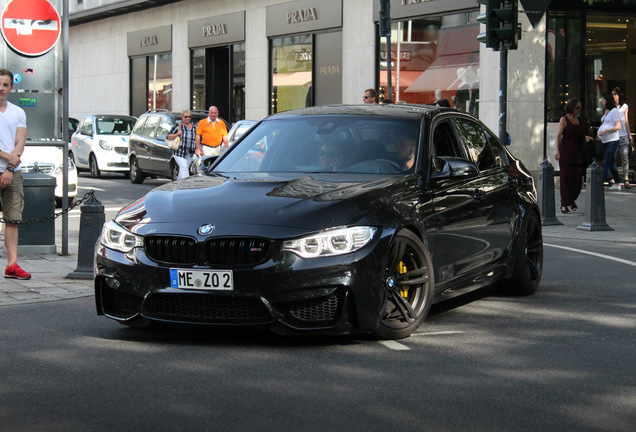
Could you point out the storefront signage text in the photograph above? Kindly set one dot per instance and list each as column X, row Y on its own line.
column 214, row 30
column 329, row 70
column 296, row 16
column 410, row 2
column 147, row 41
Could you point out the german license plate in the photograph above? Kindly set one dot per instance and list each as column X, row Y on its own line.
column 221, row 280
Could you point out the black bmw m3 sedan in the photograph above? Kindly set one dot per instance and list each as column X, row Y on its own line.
column 330, row 220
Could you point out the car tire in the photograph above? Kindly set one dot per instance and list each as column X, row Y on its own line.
column 408, row 287
column 94, row 168
column 135, row 174
column 528, row 266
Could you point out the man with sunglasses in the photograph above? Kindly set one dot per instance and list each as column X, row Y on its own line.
column 370, row 96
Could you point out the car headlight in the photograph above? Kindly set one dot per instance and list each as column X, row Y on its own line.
column 329, row 243
column 117, row 238
column 105, row 145
column 59, row 170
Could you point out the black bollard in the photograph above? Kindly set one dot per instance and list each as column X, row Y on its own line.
column 91, row 223
column 546, row 195
column 594, row 201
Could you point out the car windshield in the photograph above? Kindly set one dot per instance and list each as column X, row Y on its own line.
column 114, row 125
column 310, row 144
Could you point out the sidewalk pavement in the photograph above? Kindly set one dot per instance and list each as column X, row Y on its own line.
column 49, row 271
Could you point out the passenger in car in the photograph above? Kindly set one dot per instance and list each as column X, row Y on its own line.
column 331, row 155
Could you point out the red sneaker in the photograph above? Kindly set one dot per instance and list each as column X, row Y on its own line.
column 15, row 272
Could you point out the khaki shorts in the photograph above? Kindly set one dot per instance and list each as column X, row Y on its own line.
column 212, row 151
column 12, row 198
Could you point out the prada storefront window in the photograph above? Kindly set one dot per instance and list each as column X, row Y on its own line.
column 198, row 79
column 588, row 54
column 434, row 58
column 160, row 81
column 291, row 72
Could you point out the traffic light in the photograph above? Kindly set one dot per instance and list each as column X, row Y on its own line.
column 490, row 20
column 507, row 16
column 501, row 19
column 385, row 18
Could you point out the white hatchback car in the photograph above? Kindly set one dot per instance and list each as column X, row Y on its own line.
column 49, row 161
column 100, row 143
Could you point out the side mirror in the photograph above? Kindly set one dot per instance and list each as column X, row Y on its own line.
column 453, row 167
column 202, row 164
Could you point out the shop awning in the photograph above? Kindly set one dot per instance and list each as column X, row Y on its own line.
column 447, row 73
column 406, row 77
column 291, row 79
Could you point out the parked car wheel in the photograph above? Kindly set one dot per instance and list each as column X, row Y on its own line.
column 408, row 287
column 136, row 176
column 528, row 261
column 95, row 172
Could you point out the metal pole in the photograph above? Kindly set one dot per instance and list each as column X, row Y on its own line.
column 389, row 89
column 65, row 136
column 503, row 90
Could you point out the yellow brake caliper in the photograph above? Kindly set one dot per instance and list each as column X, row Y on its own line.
column 404, row 290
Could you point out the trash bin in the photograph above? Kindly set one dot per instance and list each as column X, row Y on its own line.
column 39, row 203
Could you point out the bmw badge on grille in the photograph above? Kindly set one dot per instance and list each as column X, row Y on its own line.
column 205, row 229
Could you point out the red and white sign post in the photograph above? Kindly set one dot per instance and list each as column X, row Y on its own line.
column 30, row 27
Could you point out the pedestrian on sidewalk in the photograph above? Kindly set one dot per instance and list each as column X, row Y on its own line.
column 211, row 134
column 568, row 151
column 608, row 133
column 13, row 133
column 625, row 133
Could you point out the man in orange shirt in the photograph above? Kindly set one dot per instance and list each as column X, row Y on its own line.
column 211, row 137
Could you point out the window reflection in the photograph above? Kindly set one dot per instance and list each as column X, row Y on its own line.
column 438, row 59
column 291, row 73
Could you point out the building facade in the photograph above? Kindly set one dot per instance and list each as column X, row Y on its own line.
column 252, row 58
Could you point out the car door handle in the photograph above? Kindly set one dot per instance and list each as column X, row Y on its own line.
column 478, row 194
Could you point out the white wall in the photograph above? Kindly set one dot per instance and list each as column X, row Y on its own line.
column 526, row 93
column 358, row 50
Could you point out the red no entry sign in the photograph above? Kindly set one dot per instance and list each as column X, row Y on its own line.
column 31, row 27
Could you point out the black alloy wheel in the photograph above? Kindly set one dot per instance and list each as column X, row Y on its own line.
column 528, row 266
column 92, row 163
column 408, row 287
column 136, row 176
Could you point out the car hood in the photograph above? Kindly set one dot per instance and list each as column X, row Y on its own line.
column 42, row 154
column 248, row 203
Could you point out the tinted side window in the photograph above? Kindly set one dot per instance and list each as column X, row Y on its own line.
column 164, row 128
column 139, row 126
column 444, row 143
column 478, row 148
column 150, row 126
column 499, row 154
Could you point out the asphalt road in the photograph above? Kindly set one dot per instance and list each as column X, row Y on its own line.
column 561, row 360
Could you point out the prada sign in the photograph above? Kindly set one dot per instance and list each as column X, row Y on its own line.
column 303, row 16
column 217, row 30
column 150, row 41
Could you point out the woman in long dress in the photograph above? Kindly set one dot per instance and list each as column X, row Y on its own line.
column 568, row 151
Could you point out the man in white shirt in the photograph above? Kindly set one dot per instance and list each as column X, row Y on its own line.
column 13, row 133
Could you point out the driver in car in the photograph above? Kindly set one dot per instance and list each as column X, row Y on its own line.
column 331, row 155
column 405, row 149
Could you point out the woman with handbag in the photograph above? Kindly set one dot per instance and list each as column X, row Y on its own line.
column 625, row 133
column 568, row 151
column 187, row 132
column 608, row 133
